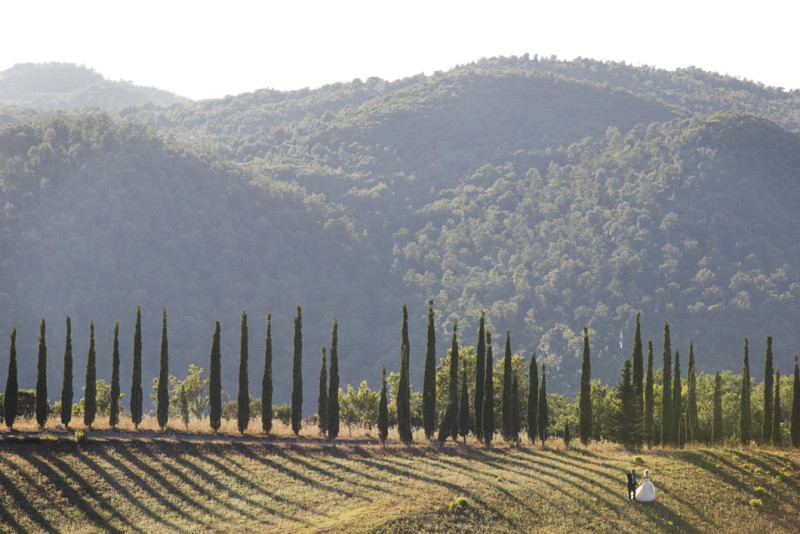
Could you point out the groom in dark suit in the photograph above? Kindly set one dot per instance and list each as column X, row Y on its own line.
column 631, row 485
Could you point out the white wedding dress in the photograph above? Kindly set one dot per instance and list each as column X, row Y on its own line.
column 646, row 492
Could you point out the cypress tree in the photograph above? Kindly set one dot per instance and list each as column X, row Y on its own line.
column 383, row 411
column 244, row 381
column 162, row 409
column 463, row 408
column 333, row 392
column 480, row 371
column 66, row 385
column 266, row 381
column 507, row 393
column 113, row 417
column 449, row 426
column 515, row 411
column 404, row 387
column 297, row 374
column 136, row 378
column 533, row 398
column 488, row 394
column 637, row 358
column 667, row 423
column 766, row 429
column 677, row 408
column 649, row 399
column 776, row 412
column 90, row 392
column 42, row 406
column 692, row 421
column 11, row 399
column 744, row 410
column 796, row 406
column 184, row 408
column 716, row 423
column 586, row 391
column 322, row 396
column 567, row 437
column 627, row 406
column 429, row 382
column 215, row 381
column 543, row 415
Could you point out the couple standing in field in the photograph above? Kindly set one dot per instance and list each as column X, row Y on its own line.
column 644, row 492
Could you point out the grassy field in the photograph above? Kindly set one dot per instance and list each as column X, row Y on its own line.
column 153, row 481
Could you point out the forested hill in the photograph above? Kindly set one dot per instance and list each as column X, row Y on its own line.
column 551, row 194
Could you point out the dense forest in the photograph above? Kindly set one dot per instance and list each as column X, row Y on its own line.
column 551, row 194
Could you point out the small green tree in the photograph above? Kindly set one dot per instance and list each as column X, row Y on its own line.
column 544, row 417
column 795, row 430
column 162, row 405
column 66, row 385
column 113, row 417
column 514, row 426
column 776, row 412
column 745, row 415
column 625, row 425
column 297, row 374
column 463, row 408
column 404, row 400
column 766, row 429
column 90, row 409
column 488, row 394
column 533, row 398
column 567, row 437
column 42, row 404
column 11, row 397
column 184, row 407
column 333, row 391
column 429, row 381
column 480, row 371
column 586, row 391
column 266, row 381
column 322, row 395
column 383, row 411
column 243, row 412
column 716, row 425
column 136, row 378
column 649, row 397
column 215, row 381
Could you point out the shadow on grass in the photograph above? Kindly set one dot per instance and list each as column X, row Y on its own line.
column 20, row 501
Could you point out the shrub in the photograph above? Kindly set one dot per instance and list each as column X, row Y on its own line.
column 459, row 504
column 638, row 460
column 755, row 503
column 283, row 413
column 80, row 437
column 759, row 490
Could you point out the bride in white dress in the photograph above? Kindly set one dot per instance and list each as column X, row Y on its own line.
column 646, row 492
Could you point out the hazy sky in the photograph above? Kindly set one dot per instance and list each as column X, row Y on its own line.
column 205, row 49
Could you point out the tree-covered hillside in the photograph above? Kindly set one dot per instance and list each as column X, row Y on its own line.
column 554, row 195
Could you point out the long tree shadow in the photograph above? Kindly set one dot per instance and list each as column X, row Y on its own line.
column 296, row 460
column 360, row 474
column 20, row 501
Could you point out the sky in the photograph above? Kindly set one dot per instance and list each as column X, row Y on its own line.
column 210, row 49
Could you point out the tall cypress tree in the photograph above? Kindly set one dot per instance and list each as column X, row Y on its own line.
column 90, row 391
column 215, row 381
column 677, row 408
column 244, row 381
column 508, row 378
column 692, row 421
column 667, row 423
column 544, row 420
column 533, row 398
column 449, row 426
column 184, row 402
column 404, row 387
column 333, row 392
column 266, row 381
column 162, row 409
column 66, row 385
column 776, row 412
column 113, row 417
column 766, row 429
column 480, row 371
column 136, row 378
column 627, row 406
column 796, row 405
column 515, row 411
column 383, row 411
column 586, row 391
column 322, row 395
column 744, row 410
column 11, row 399
column 637, row 360
column 716, row 422
column 297, row 374
column 42, row 406
column 649, row 398
column 429, row 381
column 463, row 408
column 488, row 394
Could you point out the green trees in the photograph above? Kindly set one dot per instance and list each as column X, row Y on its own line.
column 449, row 423
column 514, row 427
column 508, row 378
column 383, row 411
column 42, row 405
column 113, row 416
column 266, row 381
column 162, row 403
column 429, row 380
column 744, row 406
column 488, row 394
column 297, row 374
column 586, row 390
column 136, row 378
column 322, row 395
column 66, row 384
column 766, row 428
column 795, row 429
column 90, row 391
column 637, row 359
column 10, row 400
column 463, row 408
column 649, row 398
column 404, row 390
column 692, row 422
column 776, row 412
column 215, row 381
column 333, row 392
column 533, row 398
column 677, row 409
column 184, row 402
column 480, row 371
column 627, row 421
column 243, row 412
column 543, row 412
column 667, row 423
column 716, row 423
